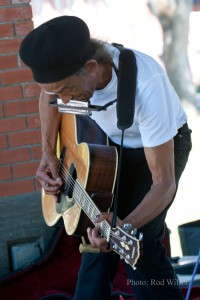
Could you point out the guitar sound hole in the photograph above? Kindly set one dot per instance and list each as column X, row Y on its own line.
column 68, row 186
column 65, row 199
column 71, row 181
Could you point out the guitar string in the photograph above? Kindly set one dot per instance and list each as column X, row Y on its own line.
column 71, row 184
column 102, row 226
column 67, row 175
column 111, row 233
column 69, row 178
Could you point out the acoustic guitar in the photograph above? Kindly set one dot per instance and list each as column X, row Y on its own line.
column 88, row 167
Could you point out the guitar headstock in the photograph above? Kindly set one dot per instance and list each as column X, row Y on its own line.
column 126, row 245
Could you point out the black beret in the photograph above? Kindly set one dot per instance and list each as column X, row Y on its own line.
column 56, row 49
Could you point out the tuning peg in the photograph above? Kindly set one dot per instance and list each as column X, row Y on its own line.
column 114, row 247
column 117, row 233
column 133, row 232
column 127, row 227
column 140, row 236
column 121, row 251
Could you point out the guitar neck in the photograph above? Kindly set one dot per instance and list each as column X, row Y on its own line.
column 90, row 209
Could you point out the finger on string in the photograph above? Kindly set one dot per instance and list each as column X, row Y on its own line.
column 51, row 190
column 50, row 181
column 95, row 232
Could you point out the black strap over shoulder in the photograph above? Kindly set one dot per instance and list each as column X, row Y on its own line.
column 126, row 90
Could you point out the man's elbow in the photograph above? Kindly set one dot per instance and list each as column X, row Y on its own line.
column 171, row 187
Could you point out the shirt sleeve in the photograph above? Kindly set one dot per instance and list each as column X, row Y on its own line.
column 156, row 113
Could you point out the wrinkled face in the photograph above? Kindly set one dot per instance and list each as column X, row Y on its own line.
column 76, row 87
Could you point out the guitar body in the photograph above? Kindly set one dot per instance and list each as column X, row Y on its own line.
column 89, row 161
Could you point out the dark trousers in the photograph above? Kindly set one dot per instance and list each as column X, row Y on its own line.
column 154, row 277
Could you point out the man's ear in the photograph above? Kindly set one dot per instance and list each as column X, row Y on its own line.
column 91, row 65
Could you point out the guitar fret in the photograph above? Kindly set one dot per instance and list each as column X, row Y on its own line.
column 83, row 202
column 90, row 208
column 92, row 212
column 76, row 192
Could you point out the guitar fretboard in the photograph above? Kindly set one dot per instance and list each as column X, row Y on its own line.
column 90, row 209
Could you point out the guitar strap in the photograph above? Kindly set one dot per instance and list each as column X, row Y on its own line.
column 126, row 90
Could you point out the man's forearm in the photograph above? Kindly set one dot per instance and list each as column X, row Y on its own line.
column 155, row 201
column 50, row 122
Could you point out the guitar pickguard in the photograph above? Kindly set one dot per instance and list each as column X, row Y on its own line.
column 64, row 204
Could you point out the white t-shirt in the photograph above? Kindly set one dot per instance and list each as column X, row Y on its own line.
column 158, row 111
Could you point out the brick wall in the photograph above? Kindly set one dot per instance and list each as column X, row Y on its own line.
column 20, row 149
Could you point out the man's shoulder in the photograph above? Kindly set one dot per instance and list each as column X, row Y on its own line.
column 148, row 67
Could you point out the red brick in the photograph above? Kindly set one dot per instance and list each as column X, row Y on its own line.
column 25, row 170
column 17, row 187
column 3, row 141
column 1, row 111
column 12, row 124
column 24, row 138
column 8, row 61
column 9, row 156
column 36, row 152
column 6, row 30
column 5, row 172
column 16, row 76
column 33, row 121
column 21, row 107
column 4, row 2
column 31, row 90
column 10, row 93
column 10, row 45
column 15, row 13
column 23, row 28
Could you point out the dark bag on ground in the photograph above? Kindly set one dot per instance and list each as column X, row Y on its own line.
column 190, row 237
